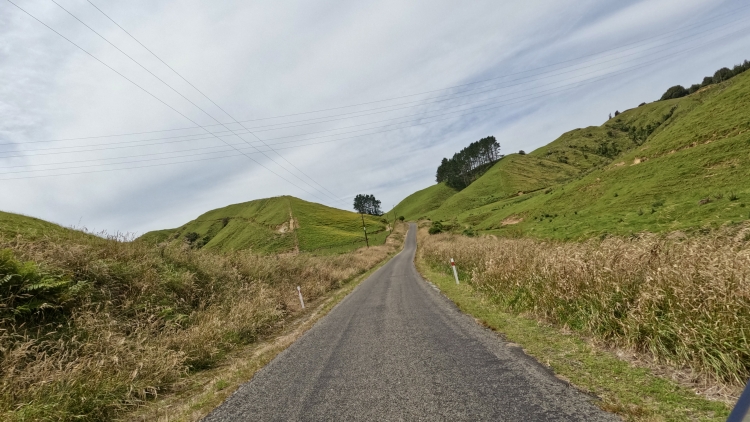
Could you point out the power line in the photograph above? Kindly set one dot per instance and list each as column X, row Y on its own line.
column 577, row 84
column 172, row 88
column 206, row 96
column 334, row 140
column 145, row 90
column 610, row 51
column 475, row 109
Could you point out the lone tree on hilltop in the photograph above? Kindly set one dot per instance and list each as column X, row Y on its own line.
column 367, row 204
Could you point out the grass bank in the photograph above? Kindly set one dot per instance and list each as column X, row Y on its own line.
column 676, row 303
column 93, row 328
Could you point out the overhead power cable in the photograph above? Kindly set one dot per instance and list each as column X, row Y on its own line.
column 209, row 99
column 334, row 140
column 176, row 91
column 420, row 120
column 609, row 51
column 148, row 92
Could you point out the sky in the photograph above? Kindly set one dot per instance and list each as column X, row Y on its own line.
column 142, row 115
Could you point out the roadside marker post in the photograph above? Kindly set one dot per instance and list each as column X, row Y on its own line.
column 455, row 272
column 301, row 302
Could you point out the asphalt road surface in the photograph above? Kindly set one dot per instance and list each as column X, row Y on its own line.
column 396, row 349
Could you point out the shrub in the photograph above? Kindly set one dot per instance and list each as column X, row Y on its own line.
column 522, row 152
column 641, row 104
column 693, row 88
column 676, row 91
column 722, row 74
column 707, row 81
column 401, row 218
column 191, row 236
column 436, row 227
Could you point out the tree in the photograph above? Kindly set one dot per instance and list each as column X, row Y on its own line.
column 367, row 204
column 707, row 81
column 722, row 74
column 693, row 88
column 676, row 91
column 617, row 113
column 469, row 163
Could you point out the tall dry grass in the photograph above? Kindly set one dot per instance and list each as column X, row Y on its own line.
column 685, row 301
column 131, row 320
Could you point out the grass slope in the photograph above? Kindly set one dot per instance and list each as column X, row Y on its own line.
column 420, row 203
column 648, row 169
column 30, row 228
column 277, row 224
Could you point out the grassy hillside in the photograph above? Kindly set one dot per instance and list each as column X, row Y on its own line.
column 277, row 224
column 420, row 203
column 92, row 327
column 669, row 165
column 32, row 228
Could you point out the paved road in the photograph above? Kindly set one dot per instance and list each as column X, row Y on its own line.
column 396, row 349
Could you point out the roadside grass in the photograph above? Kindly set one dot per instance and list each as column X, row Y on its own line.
column 275, row 225
column 634, row 393
column 92, row 328
column 680, row 303
column 202, row 392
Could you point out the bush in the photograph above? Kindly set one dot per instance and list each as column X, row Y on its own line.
column 707, row 81
column 641, row 104
column 676, row 91
column 694, row 88
column 401, row 218
column 192, row 237
column 436, row 227
column 722, row 75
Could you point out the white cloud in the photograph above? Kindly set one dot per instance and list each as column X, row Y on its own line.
column 265, row 59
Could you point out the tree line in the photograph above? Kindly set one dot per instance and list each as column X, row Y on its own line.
column 469, row 163
column 720, row 75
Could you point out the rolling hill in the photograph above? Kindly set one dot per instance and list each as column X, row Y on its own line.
column 676, row 164
column 279, row 224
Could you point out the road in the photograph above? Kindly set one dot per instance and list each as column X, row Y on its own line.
column 396, row 349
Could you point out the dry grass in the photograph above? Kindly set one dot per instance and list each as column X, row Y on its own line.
column 101, row 325
column 685, row 302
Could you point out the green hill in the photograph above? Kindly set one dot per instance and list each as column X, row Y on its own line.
column 277, row 224
column 30, row 228
column 669, row 165
column 420, row 203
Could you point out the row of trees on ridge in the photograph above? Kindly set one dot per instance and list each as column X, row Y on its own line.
column 720, row 75
column 469, row 163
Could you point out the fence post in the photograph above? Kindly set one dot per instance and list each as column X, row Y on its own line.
column 301, row 302
column 455, row 272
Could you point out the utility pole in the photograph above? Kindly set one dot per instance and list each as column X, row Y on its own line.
column 365, row 229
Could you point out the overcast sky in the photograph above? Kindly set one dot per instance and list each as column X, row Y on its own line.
column 334, row 98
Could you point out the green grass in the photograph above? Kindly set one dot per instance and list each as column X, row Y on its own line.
column 420, row 203
column 279, row 224
column 31, row 228
column 634, row 393
column 645, row 170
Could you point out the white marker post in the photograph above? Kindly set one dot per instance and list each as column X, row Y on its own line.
column 301, row 302
column 455, row 272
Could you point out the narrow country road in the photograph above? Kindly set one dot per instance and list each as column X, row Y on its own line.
column 396, row 349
